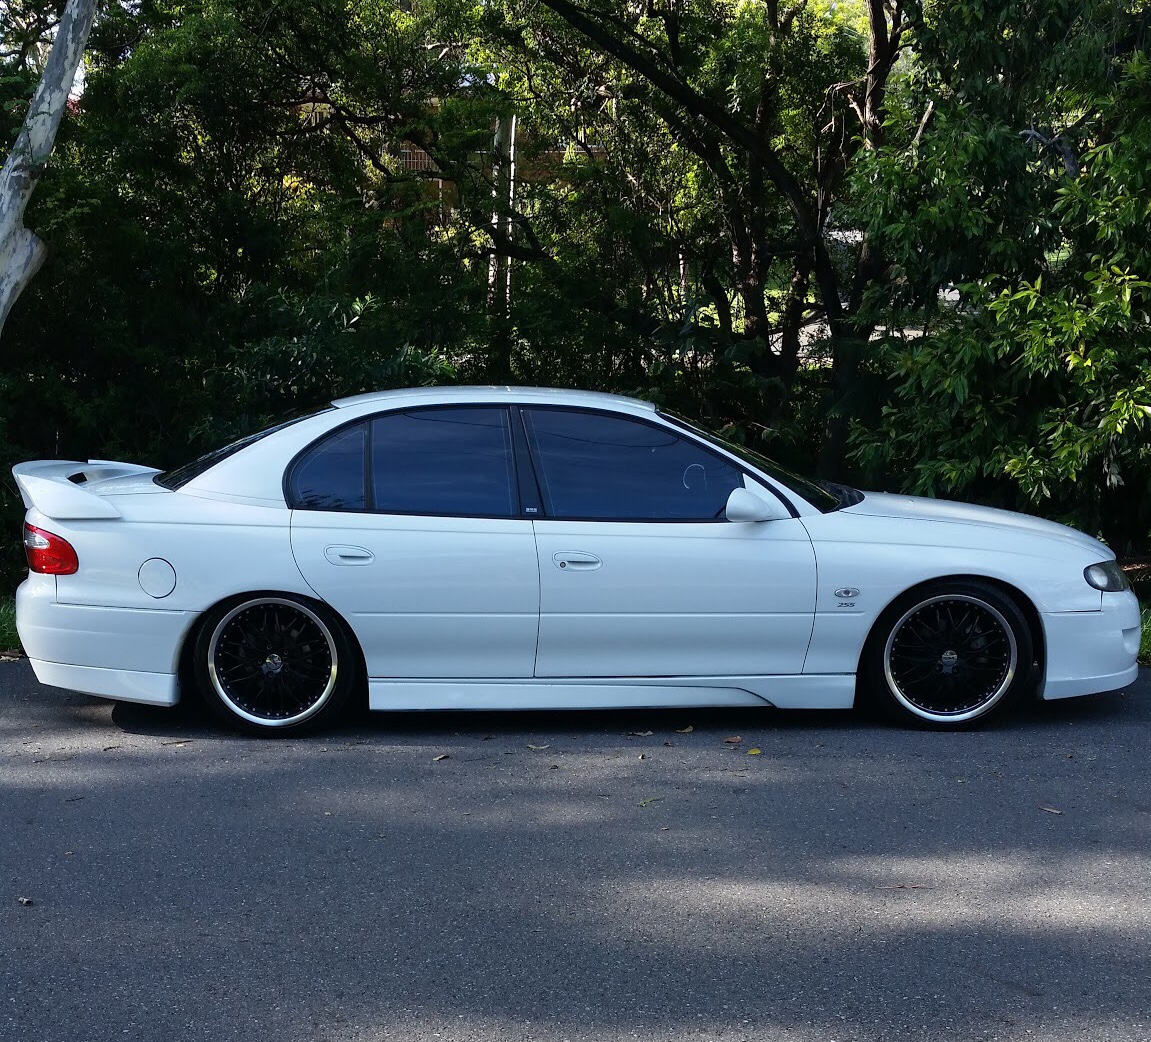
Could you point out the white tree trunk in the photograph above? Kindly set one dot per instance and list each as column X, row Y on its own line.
column 504, row 198
column 21, row 253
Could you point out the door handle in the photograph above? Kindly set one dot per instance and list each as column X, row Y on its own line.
column 348, row 555
column 577, row 560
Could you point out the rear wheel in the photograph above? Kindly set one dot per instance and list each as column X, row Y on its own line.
column 949, row 655
column 274, row 664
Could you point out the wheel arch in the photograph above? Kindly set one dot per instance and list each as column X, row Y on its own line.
column 184, row 673
column 1024, row 603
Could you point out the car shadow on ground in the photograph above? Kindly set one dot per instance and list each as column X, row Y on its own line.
column 192, row 717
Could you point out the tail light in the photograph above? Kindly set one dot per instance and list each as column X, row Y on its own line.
column 48, row 554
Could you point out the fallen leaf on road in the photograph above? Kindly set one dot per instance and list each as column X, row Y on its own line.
column 24, row 900
column 642, row 756
column 685, row 730
column 640, row 734
column 109, row 748
column 650, row 800
column 1050, row 810
column 733, row 740
column 669, row 743
column 183, row 741
column 754, row 752
column 442, row 756
column 538, row 747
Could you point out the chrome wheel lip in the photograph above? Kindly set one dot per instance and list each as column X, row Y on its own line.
column 220, row 687
column 986, row 704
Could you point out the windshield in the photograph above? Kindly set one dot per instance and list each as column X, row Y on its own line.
column 825, row 497
column 177, row 477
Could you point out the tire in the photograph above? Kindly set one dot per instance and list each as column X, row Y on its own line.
column 948, row 656
column 274, row 664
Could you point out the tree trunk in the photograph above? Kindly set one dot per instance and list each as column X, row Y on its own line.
column 21, row 253
column 500, row 264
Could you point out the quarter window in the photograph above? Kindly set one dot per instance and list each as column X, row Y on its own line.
column 330, row 475
column 615, row 468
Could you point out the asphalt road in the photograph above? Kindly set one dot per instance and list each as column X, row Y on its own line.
column 558, row 877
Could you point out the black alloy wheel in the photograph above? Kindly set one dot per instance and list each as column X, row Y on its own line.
column 274, row 664
column 950, row 655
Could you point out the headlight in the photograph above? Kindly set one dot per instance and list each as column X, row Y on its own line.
column 1106, row 576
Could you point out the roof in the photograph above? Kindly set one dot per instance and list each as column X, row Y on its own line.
column 536, row 395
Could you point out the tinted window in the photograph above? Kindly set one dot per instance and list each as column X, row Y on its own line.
column 444, row 461
column 330, row 475
column 598, row 466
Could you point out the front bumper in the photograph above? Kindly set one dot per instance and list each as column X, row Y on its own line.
column 1092, row 651
column 129, row 654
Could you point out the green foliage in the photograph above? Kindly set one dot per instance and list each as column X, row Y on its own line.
column 1030, row 193
column 321, row 350
column 9, row 638
column 259, row 207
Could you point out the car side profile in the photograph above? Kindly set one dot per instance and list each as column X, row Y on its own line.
column 508, row 548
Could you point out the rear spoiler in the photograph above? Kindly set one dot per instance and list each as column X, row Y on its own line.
column 56, row 487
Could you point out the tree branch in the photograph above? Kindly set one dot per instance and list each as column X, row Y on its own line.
column 697, row 103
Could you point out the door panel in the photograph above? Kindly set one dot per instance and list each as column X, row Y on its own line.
column 637, row 577
column 706, row 599
column 438, row 596
column 411, row 533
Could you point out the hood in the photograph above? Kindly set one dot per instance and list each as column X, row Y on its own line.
column 883, row 504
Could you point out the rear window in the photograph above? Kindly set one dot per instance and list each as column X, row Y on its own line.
column 177, row 477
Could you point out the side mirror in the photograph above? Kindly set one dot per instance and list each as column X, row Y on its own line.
column 744, row 505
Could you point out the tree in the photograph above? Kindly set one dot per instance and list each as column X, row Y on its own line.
column 772, row 103
column 21, row 252
column 26, row 32
column 1025, row 191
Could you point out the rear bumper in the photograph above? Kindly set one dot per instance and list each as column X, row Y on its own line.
column 154, row 689
column 123, row 653
column 1092, row 651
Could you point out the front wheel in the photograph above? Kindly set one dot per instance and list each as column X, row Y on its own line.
column 949, row 655
column 274, row 664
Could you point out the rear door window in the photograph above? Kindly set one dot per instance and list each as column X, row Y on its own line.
column 444, row 461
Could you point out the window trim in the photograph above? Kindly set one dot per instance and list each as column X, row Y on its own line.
column 679, row 432
column 517, row 488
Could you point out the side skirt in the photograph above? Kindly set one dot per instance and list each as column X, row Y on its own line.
column 828, row 691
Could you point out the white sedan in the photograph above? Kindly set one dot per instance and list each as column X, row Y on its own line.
column 510, row 548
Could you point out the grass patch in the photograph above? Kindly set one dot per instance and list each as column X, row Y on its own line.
column 9, row 638
column 1145, row 637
